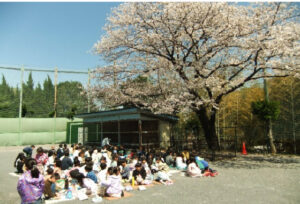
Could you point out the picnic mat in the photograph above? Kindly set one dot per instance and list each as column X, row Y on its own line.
column 126, row 195
column 136, row 187
column 63, row 199
column 14, row 174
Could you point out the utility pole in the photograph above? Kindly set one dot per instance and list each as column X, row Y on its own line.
column 20, row 106
column 88, row 94
column 269, row 121
column 55, row 104
column 237, row 119
column 218, row 129
column 55, row 92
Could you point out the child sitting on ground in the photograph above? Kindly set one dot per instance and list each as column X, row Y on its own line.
column 41, row 159
column 51, row 158
column 162, row 170
column 115, row 161
column 31, row 183
column 83, row 181
column 57, row 167
column 134, row 161
column 139, row 174
column 125, row 172
column 180, row 162
column 76, row 166
column 66, row 162
column 49, row 173
column 102, row 173
column 193, row 170
column 114, row 184
column 49, row 190
column 90, row 173
column 170, row 159
column 149, row 175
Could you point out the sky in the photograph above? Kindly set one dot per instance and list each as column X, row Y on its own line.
column 49, row 35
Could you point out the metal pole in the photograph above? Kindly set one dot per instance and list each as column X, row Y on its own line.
column 140, row 133
column 119, row 135
column 88, row 94
column 55, row 91
column 293, row 117
column 20, row 106
column 218, row 129
column 224, row 123
column 55, row 104
column 237, row 108
column 235, row 141
column 237, row 118
column 269, row 122
column 97, row 132
column 101, row 133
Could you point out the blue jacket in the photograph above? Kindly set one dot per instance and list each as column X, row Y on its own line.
column 28, row 150
column 92, row 176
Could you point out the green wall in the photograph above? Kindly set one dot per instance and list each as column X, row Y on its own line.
column 32, row 131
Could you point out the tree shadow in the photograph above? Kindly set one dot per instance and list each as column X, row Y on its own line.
column 258, row 161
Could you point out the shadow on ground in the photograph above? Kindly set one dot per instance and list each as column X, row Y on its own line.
column 259, row 161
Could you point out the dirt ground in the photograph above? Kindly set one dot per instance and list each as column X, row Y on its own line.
column 244, row 179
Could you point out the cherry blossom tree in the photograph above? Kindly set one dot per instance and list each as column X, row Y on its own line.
column 191, row 55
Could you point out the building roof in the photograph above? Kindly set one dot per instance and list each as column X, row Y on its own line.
column 125, row 114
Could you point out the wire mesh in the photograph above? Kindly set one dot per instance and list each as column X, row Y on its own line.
column 44, row 93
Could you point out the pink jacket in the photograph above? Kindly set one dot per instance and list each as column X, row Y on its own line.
column 41, row 159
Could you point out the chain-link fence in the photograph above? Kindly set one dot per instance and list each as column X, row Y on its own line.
column 51, row 93
column 43, row 93
column 52, row 96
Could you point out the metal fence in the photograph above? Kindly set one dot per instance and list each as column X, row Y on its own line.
column 29, row 92
column 231, row 139
column 43, row 98
column 49, row 93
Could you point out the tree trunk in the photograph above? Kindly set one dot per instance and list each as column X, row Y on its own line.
column 208, row 122
column 270, row 136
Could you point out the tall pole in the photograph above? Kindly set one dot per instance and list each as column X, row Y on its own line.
column 269, row 121
column 293, row 116
column 140, row 134
column 119, row 134
column 55, row 92
column 224, row 123
column 55, row 103
column 20, row 106
column 237, row 115
column 218, row 129
column 88, row 94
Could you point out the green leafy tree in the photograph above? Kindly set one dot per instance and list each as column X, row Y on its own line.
column 8, row 100
column 70, row 95
column 48, row 96
column 28, row 96
column 72, row 112
column 267, row 111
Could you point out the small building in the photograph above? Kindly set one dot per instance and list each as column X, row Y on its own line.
column 132, row 127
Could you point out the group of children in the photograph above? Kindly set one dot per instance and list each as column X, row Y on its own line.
column 103, row 171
